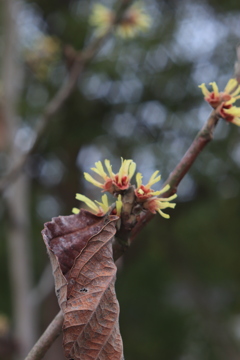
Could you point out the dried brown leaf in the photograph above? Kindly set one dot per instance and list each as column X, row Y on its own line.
column 80, row 250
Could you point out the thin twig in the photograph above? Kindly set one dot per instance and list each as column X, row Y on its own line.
column 204, row 136
column 201, row 140
column 47, row 338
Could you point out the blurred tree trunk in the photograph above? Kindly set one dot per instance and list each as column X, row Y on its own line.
column 17, row 196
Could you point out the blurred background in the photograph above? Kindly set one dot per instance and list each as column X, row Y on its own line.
column 179, row 284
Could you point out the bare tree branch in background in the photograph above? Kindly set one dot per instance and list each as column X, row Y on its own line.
column 81, row 59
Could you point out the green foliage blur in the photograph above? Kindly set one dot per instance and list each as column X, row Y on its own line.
column 179, row 284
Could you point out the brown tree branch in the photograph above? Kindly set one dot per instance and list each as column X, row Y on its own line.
column 201, row 140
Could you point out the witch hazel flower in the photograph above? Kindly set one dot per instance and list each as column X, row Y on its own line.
column 144, row 192
column 149, row 198
column 231, row 114
column 156, row 204
column 223, row 101
column 113, row 183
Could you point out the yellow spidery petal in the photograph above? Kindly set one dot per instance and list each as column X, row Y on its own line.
column 164, row 205
column 124, row 169
column 236, row 121
column 104, row 204
column 120, row 172
column 204, row 89
column 75, row 211
column 105, row 201
column 88, row 202
column 139, row 179
column 215, row 87
column 99, row 170
column 232, row 83
column 168, row 205
column 166, row 216
column 119, row 205
column 140, row 191
column 166, row 188
column 153, row 179
column 132, row 169
column 109, row 168
column 170, row 198
column 90, row 179
column 234, row 111
column 231, row 101
column 236, row 92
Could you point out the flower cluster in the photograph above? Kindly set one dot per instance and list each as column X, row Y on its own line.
column 133, row 21
column 116, row 184
column 223, row 101
column 150, row 198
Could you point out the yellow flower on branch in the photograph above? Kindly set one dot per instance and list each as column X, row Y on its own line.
column 113, row 182
column 223, row 101
column 149, row 198
column 215, row 98
column 231, row 114
column 145, row 197
column 143, row 192
column 155, row 204
column 133, row 21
